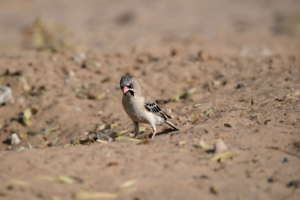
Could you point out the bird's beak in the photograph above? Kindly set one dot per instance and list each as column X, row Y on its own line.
column 125, row 89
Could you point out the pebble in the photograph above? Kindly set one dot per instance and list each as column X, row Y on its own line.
column 175, row 133
column 240, row 85
column 71, row 73
column 15, row 139
column 22, row 100
column 6, row 95
column 220, row 147
column 79, row 57
column 79, row 109
column 253, row 51
column 285, row 160
column 205, row 55
column 294, row 183
column 22, row 148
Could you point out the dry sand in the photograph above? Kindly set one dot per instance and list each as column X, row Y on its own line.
column 241, row 58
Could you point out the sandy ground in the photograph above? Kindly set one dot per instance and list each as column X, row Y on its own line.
column 242, row 58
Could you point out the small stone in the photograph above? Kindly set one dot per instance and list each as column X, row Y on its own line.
column 15, row 139
column 142, row 58
column 285, row 160
column 79, row 57
column 71, row 73
column 21, row 100
column 173, row 134
column 100, row 135
column 22, row 148
column 9, row 147
column 220, row 147
column 271, row 180
column 201, row 177
column 253, row 51
column 6, row 95
column 79, row 109
column 227, row 125
column 177, row 52
column 205, row 56
column 144, row 73
column 240, row 85
column 100, row 112
column 294, row 183
column 214, row 190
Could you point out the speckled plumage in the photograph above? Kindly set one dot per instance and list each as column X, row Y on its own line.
column 140, row 107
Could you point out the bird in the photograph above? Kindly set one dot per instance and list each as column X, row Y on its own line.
column 140, row 107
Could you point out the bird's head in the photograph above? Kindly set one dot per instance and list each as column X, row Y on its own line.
column 129, row 83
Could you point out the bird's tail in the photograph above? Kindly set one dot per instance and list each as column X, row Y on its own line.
column 173, row 126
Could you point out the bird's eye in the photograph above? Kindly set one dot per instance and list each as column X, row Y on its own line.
column 130, row 86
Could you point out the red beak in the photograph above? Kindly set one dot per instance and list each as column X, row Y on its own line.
column 125, row 89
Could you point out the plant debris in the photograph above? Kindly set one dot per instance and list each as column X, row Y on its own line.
column 51, row 37
column 128, row 183
column 227, row 125
column 223, row 156
column 100, row 127
column 118, row 133
column 19, row 182
column 48, row 178
column 293, row 94
column 76, row 142
column 43, row 132
column 59, row 179
column 252, row 102
column 176, row 151
column 214, row 190
column 127, row 139
column 294, row 183
column 205, row 146
column 142, row 129
column 27, row 115
column 100, row 135
column 53, row 142
column 95, row 195
column 64, row 179
column 181, row 143
column 266, row 122
column 209, row 110
column 113, row 125
column 183, row 94
column 200, row 115
column 96, row 97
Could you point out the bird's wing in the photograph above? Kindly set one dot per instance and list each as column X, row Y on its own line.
column 152, row 106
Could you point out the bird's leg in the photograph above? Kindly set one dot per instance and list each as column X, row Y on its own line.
column 154, row 131
column 136, row 129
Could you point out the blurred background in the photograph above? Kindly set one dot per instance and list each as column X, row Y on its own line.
column 104, row 25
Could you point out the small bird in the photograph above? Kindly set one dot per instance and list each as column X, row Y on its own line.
column 140, row 107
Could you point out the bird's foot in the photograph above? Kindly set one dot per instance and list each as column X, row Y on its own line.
column 153, row 135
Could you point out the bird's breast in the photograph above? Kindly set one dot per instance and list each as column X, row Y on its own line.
column 134, row 107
